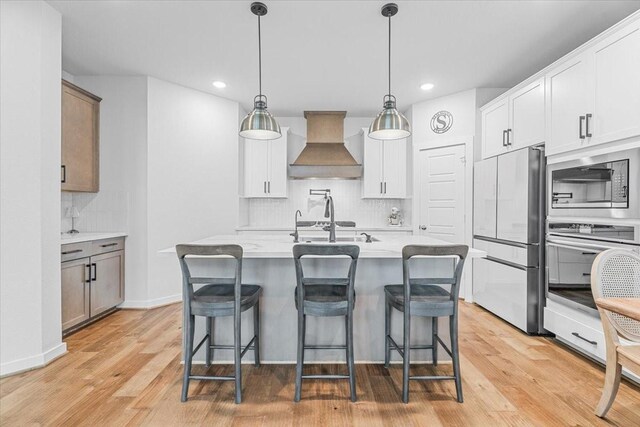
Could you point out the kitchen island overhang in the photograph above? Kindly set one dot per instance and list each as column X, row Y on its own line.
column 268, row 262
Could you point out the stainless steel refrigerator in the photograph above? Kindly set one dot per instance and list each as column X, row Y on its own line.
column 508, row 223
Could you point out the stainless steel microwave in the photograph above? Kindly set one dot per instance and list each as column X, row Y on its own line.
column 599, row 186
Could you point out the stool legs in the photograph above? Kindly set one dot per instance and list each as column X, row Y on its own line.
column 350, row 362
column 256, row 332
column 188, row 355
column 237, row 356
column 302, row 320
column 208, row 351
column 406, row 357
column 434, row 340
column 453, row 328
column 387, row 333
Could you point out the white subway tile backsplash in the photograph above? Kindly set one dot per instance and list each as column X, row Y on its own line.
column 104, row 211
column 347, row 196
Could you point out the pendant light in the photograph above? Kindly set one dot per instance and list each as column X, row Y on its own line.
column 390, row 123
column 259, row 124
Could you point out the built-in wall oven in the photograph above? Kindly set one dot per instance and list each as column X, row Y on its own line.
column 571, row 248
column 604, row 186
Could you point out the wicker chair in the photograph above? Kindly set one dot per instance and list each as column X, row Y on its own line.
column 615, row 283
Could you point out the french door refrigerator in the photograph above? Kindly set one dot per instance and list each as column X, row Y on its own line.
column 508, row 223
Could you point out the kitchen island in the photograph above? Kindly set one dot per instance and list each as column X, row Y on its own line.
column 268, row 262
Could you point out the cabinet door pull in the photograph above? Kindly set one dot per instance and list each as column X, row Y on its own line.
column 509, row 137
column 264, row 187
column 87, row 274
column 385, row 187
column 107, row 245
column 75, row 251
column 95, row 272
column 581, row 121
column 587, row 133
column 269, row 187
column 64, row 174
column 504, row 142
column 381, row 187
column 577, row 335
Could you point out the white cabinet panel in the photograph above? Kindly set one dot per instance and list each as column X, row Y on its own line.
column 512, row 207
column 502, row 290
column 569, row 100
column 277, row 184
column 527, row 116
column 485, row 178
column 265, row 167
column 495, row 122
column 616, row 68
column 385, row 168
column 372, row 173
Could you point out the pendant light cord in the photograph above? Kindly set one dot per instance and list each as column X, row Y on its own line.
column 389, row 54
column 259, row 59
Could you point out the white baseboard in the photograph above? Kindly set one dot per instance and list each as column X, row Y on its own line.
column 153, row 303
column 32, row 362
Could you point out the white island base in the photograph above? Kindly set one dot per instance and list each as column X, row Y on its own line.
column 268, row 262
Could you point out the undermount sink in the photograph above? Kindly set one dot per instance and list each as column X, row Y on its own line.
column 339, row 239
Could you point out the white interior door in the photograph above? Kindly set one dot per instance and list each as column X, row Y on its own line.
column 442, row 190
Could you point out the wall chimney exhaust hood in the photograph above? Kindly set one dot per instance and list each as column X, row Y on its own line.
column 324, row 154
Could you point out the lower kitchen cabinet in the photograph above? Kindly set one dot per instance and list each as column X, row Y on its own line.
column 92, row 281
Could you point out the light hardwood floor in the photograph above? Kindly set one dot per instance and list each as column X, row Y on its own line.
column 125, row 370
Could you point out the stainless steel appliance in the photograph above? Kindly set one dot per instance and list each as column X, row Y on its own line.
column 604, row 186
column 509, row 212
column 571, row 248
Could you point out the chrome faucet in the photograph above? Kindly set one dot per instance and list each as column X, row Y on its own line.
column 295, row 233
column 329, row 212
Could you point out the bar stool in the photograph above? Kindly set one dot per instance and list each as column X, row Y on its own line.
column 325, row 297
column 217, row 298
column 426, row 299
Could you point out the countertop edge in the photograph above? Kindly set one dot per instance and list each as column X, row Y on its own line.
column 89, row 237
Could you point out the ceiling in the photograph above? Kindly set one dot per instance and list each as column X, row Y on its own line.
column 329, row 55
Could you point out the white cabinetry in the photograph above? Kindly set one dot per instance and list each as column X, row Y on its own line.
column 265, row 167
column 593, row 97
column 515, row 121
column 385, row 168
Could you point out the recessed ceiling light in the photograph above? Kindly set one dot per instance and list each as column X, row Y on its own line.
column 219, row 84
column 426, row 86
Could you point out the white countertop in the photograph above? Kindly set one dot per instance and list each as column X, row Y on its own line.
column 66, row 238
column 311, row 229
column 257, row 246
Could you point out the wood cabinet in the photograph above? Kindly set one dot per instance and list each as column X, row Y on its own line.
column 80, row 139
column 91, row 285
column 265, row 167
column 593, row 97
column 514, row 121
column 385, row 168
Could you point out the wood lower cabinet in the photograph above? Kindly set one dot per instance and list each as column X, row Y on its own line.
column 91, row 285
column 80, row 139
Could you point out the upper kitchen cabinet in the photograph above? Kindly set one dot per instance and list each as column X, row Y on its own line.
column 593, row 98
column 265, row 167
column 514, row 121
column 385, row 168
column 80, row 139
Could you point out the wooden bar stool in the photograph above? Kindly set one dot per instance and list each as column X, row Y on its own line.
column 427, row 299
column 324, row 297
column 217, row 297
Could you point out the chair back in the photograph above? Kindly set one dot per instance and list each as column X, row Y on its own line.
column 616, row 274
column 326, row 251
column 212, row 252
column 458, row 253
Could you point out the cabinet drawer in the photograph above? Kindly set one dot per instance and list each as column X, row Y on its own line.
column 579, row 335
column 107, row 245
column 73, row 251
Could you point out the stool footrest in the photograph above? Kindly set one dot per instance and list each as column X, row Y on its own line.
column 211, row 378
column 325, row 347
column 325, row 377
column 432, row 377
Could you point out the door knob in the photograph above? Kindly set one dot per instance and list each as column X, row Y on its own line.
column 423, row 227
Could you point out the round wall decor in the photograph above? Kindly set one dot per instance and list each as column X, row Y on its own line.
column 441, row 121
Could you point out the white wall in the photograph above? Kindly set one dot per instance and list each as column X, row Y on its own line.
column 30, row 70
column 192, row 175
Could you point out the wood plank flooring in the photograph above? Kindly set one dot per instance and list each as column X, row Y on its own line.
column 125, row 370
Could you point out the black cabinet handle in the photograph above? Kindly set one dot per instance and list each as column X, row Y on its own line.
column 504, row 142
column 581, row 121
column 88, row 274
column 95, row 272
column 75, row 251
column 106, row 245
column 589, row 253
column 269, row 187
column 587, row 120
column 385, row 187
column 381, row 187
column 577, row 335
column 586, row 274
column 64, row 174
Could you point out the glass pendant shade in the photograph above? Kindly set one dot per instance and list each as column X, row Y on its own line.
column 390, row 123
column 260, row 124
